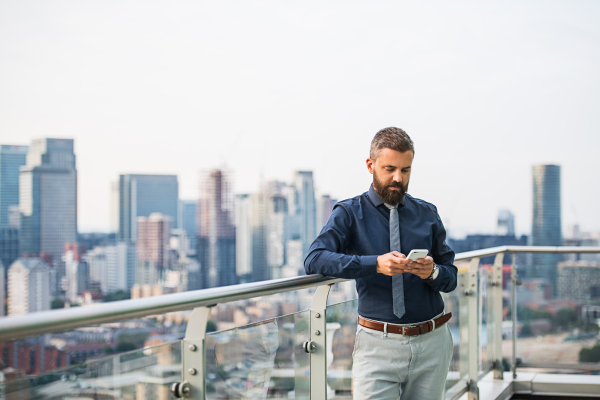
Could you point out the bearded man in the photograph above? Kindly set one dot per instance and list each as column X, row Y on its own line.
column 403, row 345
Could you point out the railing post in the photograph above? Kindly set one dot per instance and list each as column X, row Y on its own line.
column 497, row 316
column 318, row 337
column 473, row 315
column 193, row 354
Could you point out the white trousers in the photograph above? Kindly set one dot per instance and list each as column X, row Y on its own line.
column 391, row 366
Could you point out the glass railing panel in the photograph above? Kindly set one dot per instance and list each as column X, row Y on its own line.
column 130, row 375
column 558, row 321
column 485, row 318
column 260, row 360
column 342, row 319
column 455, row 303
column 507, row 323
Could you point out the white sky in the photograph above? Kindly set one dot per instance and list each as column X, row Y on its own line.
column 485, row 89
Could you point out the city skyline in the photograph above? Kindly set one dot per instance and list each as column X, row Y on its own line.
column 115, row 209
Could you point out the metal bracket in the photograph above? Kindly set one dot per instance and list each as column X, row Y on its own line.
column 473, row 324
column 473, row 393
column 318, row 339
column 194, row 356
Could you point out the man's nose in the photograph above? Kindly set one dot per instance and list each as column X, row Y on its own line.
column 397, row 177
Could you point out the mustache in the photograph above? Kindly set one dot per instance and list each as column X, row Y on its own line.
column 395, row 184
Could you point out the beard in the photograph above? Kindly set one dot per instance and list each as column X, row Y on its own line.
column 389, row 196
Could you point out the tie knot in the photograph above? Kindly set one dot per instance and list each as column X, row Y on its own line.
column 391, row 207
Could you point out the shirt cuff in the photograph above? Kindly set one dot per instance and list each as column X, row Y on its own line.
column 369, row 264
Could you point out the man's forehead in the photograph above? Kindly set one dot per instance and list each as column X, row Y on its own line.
column 393, row 157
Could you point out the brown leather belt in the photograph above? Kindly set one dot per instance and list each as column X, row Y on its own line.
column 407, row 331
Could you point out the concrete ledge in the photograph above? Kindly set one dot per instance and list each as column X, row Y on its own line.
column 562, row 385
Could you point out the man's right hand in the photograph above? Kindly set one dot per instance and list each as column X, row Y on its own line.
column 390, row 263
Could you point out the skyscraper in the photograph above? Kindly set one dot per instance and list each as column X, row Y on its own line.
column 153, row 248
column 216, row 230
column 325, row 207
column 48, row 200
column 187, row 220
column 112, row 267
column 305, row 208
column 546, row 229
column 11, row 159
column 142, row 195
column 76, row 277
column 243, row 237
column 506, row 223
column 28, row 286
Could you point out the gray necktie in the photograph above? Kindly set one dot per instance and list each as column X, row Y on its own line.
column 397, row 281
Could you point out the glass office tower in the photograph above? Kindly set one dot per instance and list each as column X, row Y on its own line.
column 142, row 195
column 48, row 201
column 546, row 229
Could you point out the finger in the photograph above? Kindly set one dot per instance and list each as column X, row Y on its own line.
column 397, row 254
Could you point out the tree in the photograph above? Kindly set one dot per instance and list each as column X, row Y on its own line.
column 565, row 317
column 116, row 296
column 211, row 326
column 590, row 354
column 57, row 303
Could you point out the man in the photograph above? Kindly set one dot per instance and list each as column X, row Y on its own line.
column 403, row 345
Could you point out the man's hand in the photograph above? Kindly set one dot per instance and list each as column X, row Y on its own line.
column 422, row 267
column 391, row 263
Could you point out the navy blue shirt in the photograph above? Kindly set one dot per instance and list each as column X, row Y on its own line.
column 358, row 231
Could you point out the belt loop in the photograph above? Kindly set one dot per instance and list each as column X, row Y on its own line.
column 433, row 322
column 385, row 332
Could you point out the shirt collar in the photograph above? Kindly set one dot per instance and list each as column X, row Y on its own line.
column 377, row 200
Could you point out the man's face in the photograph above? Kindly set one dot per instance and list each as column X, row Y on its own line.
column 391, row 174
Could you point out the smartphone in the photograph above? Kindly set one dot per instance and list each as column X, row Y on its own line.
column 414, row 254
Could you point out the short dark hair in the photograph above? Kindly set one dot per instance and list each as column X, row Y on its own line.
column 391, row 138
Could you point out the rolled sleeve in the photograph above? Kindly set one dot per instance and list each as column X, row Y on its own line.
column 326, row 254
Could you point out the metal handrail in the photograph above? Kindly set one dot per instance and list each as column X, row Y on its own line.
column 12, row 328
column 60, row 320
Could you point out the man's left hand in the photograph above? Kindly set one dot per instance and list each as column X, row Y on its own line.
column 422, row 267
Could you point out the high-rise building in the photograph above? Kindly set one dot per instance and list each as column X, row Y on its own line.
column 153, row 248
column 2, row 289
column 276, row 230
column 305, row 208
column 261, row 229
column 9, row 245
column 75, row 281
column 112, row 267
column 546, row 229
column 506, row 223
column 142, row 195
column 216, row 230
column 28, row 286
column 243, row 237
column 12, row 158
column 325, row 206
column 48, row 200
column 188, row 221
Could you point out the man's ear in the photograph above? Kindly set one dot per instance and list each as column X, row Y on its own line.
column 370, row 165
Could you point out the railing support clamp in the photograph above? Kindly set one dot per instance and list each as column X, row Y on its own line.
column 309, row 347
column 180, row 389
